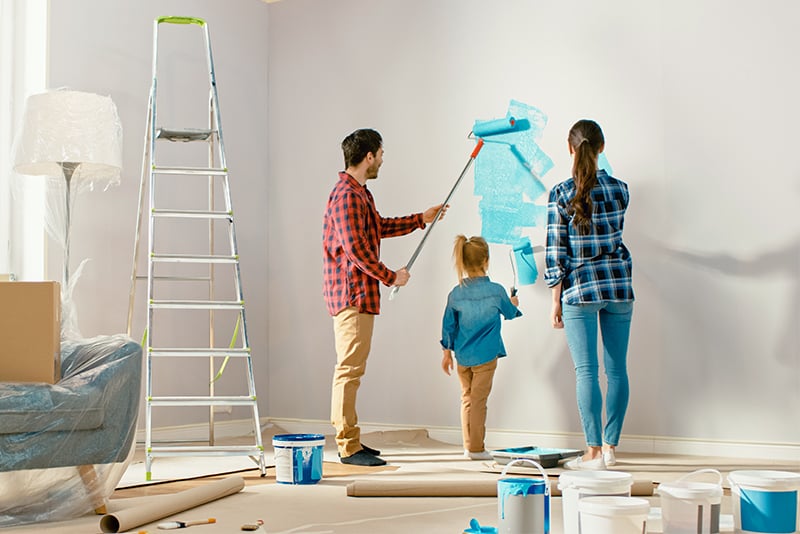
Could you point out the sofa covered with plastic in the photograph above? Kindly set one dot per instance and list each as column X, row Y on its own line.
column 65, row 446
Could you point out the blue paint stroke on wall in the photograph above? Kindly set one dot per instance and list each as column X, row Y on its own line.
column 508, row 175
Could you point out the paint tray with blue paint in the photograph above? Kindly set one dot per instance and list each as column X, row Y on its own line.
column 545, row 457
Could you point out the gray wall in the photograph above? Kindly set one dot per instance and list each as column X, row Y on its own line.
column 696, row 100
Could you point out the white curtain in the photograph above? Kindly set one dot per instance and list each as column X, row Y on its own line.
column 23, row 64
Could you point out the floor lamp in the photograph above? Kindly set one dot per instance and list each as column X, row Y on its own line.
column 74, row 138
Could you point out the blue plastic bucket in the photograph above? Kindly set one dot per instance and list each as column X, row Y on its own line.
column 298, row 458
column 765, row 501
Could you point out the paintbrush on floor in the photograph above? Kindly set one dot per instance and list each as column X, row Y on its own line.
column 169, row 525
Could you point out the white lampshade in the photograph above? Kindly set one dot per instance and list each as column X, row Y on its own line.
column 63, row 126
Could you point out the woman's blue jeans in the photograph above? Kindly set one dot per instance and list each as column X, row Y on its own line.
column 580, row 327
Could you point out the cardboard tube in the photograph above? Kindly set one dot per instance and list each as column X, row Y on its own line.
column 458, row 488
column 166, row 505
column 422, row 488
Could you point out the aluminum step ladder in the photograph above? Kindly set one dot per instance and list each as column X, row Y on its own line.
column 197, row 272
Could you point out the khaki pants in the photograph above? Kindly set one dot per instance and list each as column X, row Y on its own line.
column 353, row 335
column 476, row 384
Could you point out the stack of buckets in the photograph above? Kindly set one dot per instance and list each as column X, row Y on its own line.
column 765, row 501
column 599, row 502
column 298, row 458
column 689, row 507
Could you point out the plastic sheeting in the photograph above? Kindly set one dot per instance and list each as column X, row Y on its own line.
column 65, row 446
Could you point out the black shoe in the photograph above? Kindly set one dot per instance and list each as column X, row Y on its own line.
column 370, row 450
column 363, row 458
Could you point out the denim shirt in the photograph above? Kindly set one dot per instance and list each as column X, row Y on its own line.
column 471, row 323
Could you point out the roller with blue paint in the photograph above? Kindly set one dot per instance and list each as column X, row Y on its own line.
column 480, row 130
column 521, row 255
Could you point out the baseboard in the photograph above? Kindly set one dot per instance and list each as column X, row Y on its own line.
column 496, row 438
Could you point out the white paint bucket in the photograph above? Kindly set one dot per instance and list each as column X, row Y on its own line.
column 523, row 504
column 298, row 458
column 691, row 507
column 576, row 485
column 765, row 501
column 613, row 515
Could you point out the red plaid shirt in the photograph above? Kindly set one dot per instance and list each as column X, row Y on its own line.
column 351, row 245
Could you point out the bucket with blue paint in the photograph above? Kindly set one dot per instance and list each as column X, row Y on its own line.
column 298, row 458
column 523, row 504
column 765, row 501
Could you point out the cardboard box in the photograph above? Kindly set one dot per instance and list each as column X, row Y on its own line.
column 30, row 332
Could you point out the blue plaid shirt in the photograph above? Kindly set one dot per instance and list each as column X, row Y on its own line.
column 595, row 267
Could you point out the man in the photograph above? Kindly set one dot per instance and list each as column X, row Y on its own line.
column 352, row 234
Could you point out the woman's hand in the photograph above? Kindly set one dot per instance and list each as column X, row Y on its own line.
column 447, row 361
column 555, row 315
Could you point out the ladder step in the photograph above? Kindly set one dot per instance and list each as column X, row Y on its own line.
column 202, row 171
column 176, row 278
column 197, row 304
column 184, row 135
column 199, row 352
column 193, row 258
column 210, row 450
column 202, row 401
column 193, row 214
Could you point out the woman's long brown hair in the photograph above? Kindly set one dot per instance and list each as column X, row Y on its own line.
column 587, row 141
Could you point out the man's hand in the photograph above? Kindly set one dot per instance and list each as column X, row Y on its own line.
column 447, row 361
column 430, row 214
column 401, row 277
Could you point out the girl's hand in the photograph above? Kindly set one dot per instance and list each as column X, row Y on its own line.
column 447, row 361
column 515, row 301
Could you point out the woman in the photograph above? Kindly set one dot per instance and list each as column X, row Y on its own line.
column 589, row 271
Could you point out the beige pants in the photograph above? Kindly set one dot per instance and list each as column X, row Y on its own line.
column 476, row 384
column 353, row 335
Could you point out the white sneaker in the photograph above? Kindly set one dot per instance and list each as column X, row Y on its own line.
column 609, row 457
column 482, row 455
column 579, row 464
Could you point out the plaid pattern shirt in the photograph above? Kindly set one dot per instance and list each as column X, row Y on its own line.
column 351, row 244
column 595, row 267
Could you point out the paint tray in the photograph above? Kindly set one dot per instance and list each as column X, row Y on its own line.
column 544, row 457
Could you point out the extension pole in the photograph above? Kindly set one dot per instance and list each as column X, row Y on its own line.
column 408, row 265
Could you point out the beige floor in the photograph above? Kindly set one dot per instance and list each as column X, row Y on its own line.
column 413, row 458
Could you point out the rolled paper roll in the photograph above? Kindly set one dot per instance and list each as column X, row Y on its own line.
column 167, row 505
column 422, row 488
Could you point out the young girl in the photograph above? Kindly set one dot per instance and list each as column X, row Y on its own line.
column 589, row 271
column 471, row 329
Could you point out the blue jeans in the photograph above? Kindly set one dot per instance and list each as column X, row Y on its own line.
column 580, row 327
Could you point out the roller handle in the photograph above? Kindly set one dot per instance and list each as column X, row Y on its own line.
column 408, row 265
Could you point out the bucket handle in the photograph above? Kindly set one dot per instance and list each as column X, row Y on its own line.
column 536, row 465
column 700, row 471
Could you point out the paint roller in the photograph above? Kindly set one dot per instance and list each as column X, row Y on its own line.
column 522, row 254
column 480, row 130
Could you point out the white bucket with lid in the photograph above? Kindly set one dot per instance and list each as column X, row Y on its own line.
column 765, row 501
column 613, row 515
column 523, row 504
column 576, row 485
column 691, row 507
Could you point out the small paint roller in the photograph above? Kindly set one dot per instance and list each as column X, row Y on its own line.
column 521, row 256
column 480, row 130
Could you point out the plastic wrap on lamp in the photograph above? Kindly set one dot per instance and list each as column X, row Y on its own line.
column 63, row 126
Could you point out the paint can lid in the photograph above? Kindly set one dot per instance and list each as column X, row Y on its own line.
column 769, row 480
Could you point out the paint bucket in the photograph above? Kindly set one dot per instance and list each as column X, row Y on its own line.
column 764, row 501
column 298, row 458
column 576, row 485
column 691, row 507
column 523, row 504
column 613, row 515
